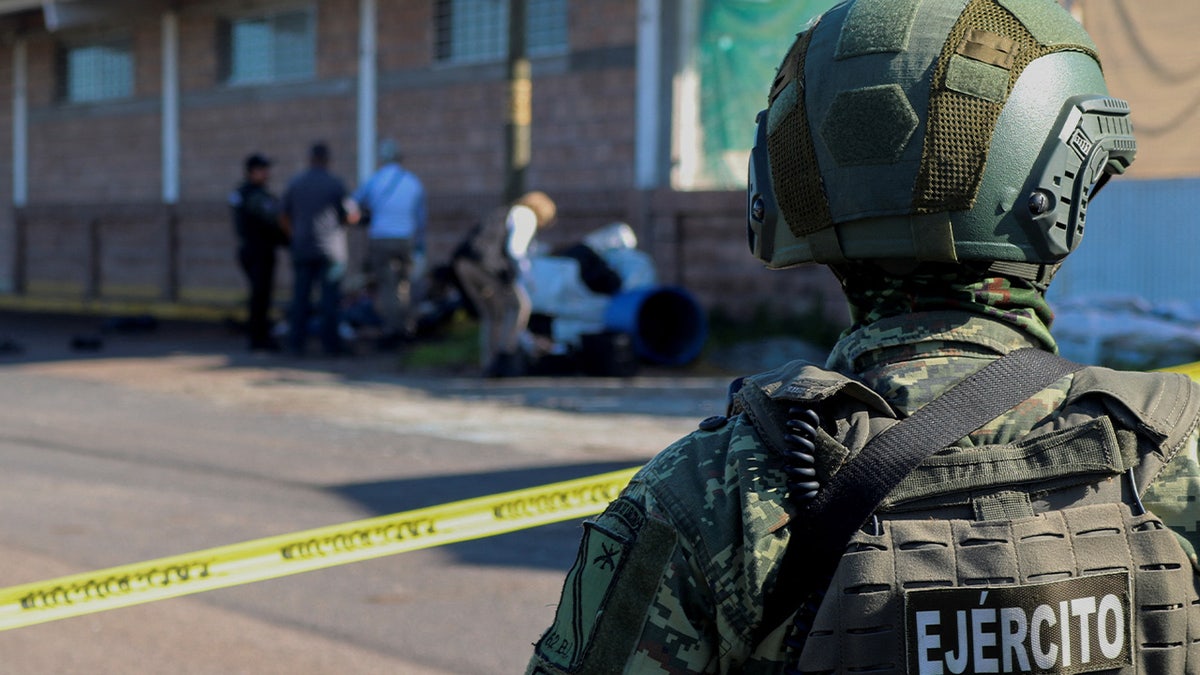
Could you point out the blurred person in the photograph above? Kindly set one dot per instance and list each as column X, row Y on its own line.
column 944, row 493
column 315, row 208
column 393, row 203
column 259, row 232
column 492, row 269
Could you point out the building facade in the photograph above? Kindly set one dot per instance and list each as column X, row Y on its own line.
column 127, row 121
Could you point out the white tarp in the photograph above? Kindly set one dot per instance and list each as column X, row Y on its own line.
column 557, row 289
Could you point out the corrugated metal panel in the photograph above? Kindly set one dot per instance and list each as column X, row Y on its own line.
column 1140, row 240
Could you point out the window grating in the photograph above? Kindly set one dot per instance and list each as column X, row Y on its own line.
column 97, row 72
column 546, row 23
column 272, row 48
column 476, row 31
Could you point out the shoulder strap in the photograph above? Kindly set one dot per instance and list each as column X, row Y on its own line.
column 847, row 500
column 390, row 188
column 851, row 495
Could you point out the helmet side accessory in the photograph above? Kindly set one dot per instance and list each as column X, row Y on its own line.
column 1095, row 141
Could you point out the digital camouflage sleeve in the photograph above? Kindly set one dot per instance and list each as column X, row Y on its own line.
column 1175, row 497
column 671, row 578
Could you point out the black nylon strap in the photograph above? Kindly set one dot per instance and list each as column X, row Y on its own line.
column 1040, row 274
column 848, row 499
column 851, row 495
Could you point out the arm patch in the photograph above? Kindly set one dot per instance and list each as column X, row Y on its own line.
column 607, row 593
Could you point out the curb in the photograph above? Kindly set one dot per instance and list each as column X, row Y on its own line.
column 157, row 309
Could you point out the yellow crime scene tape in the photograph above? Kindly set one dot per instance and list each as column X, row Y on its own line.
column 319, row 548
column 282, row 555
column 1192, row 370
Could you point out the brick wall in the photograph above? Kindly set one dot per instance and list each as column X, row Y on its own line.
column 408, row 42
column 95, row 169
column 92, row 165
column 94, row 157
column 222, row 123
column 149, row 252
column 94, row 153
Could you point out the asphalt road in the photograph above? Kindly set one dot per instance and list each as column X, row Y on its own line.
column 174, row 440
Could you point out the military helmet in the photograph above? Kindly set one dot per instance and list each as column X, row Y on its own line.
column 935, row 130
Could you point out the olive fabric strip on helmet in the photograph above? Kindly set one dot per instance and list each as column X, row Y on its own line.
column 961, row 124
column 791, row 145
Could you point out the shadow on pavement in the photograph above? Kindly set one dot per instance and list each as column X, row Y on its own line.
column 41, row 337
column 548, row 546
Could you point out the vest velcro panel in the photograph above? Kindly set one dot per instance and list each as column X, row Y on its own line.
column 861, row 623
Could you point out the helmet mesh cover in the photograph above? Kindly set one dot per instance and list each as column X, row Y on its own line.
column 981, row 59
column 960, row 125
column 790, row 147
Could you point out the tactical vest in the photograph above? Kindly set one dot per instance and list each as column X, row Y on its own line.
column 1033, row 556
column 487, row 245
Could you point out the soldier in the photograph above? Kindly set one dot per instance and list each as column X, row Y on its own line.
column 871, row 515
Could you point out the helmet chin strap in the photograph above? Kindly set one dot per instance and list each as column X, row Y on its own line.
column 1039, row 274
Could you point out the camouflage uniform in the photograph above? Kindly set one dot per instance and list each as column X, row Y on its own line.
column 939, row 156
column 674, row 576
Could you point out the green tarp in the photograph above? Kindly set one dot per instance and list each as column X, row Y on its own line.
column 740, row 43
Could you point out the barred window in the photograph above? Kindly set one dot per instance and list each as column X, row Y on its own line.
column 100, row 71
column 275, row 47
column 476, row 31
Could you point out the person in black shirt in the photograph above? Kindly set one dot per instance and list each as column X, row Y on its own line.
column 256, row 221
column 316, row 206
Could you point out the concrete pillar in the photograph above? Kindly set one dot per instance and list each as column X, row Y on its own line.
column 170, row 107
column 368, row 87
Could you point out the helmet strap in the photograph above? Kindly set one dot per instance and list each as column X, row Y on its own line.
column 1039, row 274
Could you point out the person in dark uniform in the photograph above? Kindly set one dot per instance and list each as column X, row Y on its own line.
column 256, row 221
column 316, row 207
